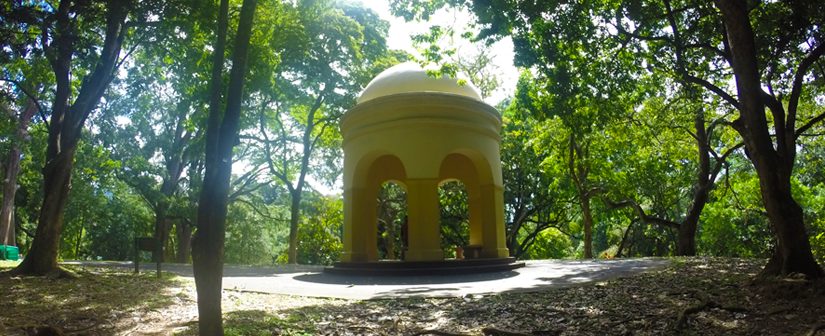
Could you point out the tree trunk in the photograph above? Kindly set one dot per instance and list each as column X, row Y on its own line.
column 221, row 135
column 294, row 219
column 77, row 243
column 12, row 169
column 308, row 142
column 391, row 234
column 578, row 173
column 793, row 251
column 161, row 232
column 774, row 165
column 587, row 217
column 686, row 243
column 622, row 243
column 9, row 190
column 57, row 176
column 184, row 233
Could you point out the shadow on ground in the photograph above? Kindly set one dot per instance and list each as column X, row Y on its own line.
column 354, row 280
column 185, row 270
column 578, row 272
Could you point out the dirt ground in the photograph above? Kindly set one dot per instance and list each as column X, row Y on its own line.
column 692, row 296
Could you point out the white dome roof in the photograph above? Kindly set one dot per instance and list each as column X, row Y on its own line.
column 410, row 77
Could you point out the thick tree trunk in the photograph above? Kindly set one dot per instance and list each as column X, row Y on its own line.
column 10, row 182
column 208, row 242
column 792, row 253
column 9, row 190
column 686, row 244
column 57, row 176
column 294, row 220
column 221, row 135
column 774, row 164
column 184, row 233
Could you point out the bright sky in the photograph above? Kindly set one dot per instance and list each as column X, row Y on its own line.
column 400, row 32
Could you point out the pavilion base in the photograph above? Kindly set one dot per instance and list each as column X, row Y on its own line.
column 420, row 268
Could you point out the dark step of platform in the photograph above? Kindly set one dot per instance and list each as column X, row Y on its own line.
column 420, row 268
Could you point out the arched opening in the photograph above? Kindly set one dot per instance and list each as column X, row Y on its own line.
column 361, row 222
column 455, row 218
column 392, row 221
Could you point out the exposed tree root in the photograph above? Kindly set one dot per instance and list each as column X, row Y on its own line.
column 779, row 310
column 43, row 331
column 815, row 329
column 59, row 273
column 490, row 331
column 438, row 333
column 681, row 321
column 62, row 273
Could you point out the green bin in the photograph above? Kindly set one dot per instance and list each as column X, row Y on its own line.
column 9, row 252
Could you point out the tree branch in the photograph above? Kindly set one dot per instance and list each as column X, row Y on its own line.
column 808, row 125
column 798, row 78
column 31, row 96
column 641, row 213
column 713, row 88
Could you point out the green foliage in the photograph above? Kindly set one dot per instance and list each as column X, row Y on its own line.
column 92, row 197
column 550, row 244
column 392, row 215
column 537, row 195
column 810, row 189
column 123, row 217
column 321, row 232
column 455, row 216
column 251, row 238
column 735, row 223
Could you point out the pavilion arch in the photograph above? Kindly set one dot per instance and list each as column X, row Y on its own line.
column 486, row 219
column 372, row 171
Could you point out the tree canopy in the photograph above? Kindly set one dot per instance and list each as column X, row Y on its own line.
column 646, row 128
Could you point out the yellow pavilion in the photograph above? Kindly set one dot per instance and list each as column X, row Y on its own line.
column 420, row 131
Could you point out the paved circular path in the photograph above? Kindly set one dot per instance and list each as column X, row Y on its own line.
column 304, row 280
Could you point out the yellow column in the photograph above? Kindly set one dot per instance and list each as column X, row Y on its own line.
column 354, row 247
column 423, row 221
column 494, row 245
column 475, row 206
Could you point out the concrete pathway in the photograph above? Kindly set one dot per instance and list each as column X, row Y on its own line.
column 305, row 280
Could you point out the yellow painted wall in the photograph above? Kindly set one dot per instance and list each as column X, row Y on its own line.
column 421, row 139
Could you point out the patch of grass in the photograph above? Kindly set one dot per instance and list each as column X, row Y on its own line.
column 298, row 322
column 8, row 264
column 97, row 302
column 257, row 322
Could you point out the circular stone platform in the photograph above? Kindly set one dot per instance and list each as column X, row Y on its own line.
column 420, row 268
column 306, row 280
